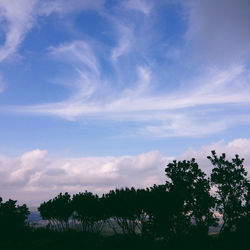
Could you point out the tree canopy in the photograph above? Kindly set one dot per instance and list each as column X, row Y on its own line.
column 13, row 218
column 232, row 189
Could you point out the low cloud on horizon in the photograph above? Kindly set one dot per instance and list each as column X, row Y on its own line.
column 36, row 176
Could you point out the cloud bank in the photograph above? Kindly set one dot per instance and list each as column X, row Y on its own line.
column 36, row 175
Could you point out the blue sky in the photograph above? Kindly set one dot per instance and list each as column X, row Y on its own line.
column 133, row 78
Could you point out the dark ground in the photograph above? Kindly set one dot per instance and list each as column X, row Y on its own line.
column 43, row 239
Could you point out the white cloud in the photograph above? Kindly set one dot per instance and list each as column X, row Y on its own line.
column 36, row 172
column 130, row 35
column 39, row 176
column 193, row 110
column 124, row 42
column 47, row 7
column 133, row 93
column 19, row 19
column 78, row 52
column 143, row 6
column 30, row 164
column 187, row 126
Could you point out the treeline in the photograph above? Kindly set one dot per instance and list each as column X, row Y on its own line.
column 188, row 203
column 185, row 207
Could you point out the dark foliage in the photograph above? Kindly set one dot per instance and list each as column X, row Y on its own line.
column 57, row 211
column 232, row 190
column 88, row 212
column 176, row 215
column 189, row 183
column 125, row 211
column 13, row 218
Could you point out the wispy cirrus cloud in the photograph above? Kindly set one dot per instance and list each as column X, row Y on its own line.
column 133, row 92
column 19, row 17
column 178, row 113
column 48, row 7
column 124, row 42
column 143, row 6
column 78, row 51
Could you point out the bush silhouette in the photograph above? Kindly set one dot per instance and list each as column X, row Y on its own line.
column 162, row 208
column 57, row 211
column 13, row 218
column 124, row 210
column 88, row 212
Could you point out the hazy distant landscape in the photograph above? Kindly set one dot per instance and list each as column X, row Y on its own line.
column 36, row 220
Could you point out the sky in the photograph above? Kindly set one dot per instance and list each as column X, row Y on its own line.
column 99, row 94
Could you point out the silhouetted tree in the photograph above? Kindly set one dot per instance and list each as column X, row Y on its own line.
column 124, row 208
column 189, row 183
column 88, row 211
column 57, row 211
column 163, row 209
column 232, row 190
column 13, row 218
